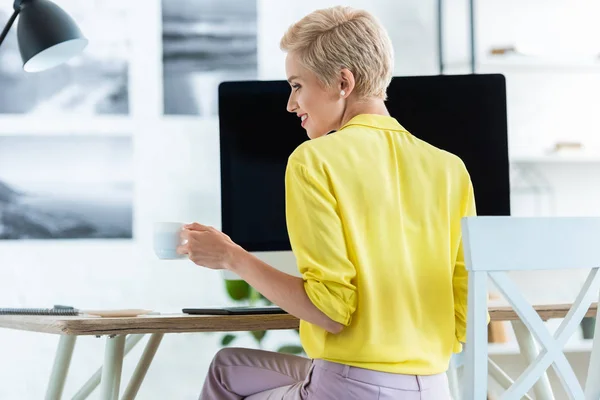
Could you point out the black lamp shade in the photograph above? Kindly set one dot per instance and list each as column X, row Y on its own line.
column 47, row 36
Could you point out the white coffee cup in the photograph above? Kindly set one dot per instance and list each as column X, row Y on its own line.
column 166, row 239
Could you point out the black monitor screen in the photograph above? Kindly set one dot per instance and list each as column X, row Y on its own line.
column 463, row 114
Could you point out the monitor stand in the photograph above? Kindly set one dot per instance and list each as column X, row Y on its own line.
column 281, row 260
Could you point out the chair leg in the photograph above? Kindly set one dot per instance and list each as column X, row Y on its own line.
column 497, row 374
column 592, row 386
column 454, row 383
column 530, row 350
column 475, row 364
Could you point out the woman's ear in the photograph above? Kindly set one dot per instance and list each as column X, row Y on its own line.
column 346, row 83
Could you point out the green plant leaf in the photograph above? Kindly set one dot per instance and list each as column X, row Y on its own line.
column 254, row 296
column 267, row 301
column 238, row 290
column 227, row 339
column 259, row 335
column 290, row 349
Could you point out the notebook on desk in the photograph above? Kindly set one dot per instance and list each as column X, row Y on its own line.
column 56, row 311
column 65, row 311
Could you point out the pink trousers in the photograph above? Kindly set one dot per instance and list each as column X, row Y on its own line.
column 237, row 373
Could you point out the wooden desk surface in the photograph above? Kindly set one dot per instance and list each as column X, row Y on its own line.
column 183, row 323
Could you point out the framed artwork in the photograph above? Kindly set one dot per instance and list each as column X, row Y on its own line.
column 66, row 187
column 205, row 42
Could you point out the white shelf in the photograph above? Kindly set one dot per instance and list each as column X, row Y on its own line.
column 512, row 348
column 555, row 158
column 521, row 61
column 489, row 63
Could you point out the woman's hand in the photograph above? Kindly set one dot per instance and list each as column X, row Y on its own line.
column 207, row 246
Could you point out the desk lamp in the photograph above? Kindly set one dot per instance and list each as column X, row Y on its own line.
column 47, row 35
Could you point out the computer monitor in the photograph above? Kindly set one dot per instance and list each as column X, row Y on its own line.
column 463, row 114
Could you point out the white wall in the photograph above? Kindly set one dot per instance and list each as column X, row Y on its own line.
column 411, row 25
column 176, row 177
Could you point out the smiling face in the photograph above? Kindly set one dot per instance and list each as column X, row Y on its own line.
column 319, row 108
column 339, row 63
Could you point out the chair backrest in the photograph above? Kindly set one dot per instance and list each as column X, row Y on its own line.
column 495, row 245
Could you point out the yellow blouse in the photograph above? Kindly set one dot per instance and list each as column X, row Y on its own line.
column 373, row 217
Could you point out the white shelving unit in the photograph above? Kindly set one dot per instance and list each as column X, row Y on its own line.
column 541, row 62
column 499, row 64
column 582, row 158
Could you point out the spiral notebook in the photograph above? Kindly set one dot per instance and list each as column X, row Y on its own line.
column 64, row 311
column 56, row 310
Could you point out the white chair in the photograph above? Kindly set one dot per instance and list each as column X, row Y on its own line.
column 495, row 245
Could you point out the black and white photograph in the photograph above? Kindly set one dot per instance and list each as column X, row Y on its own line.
column 66, row 187
column 206, row 42
column 92, row 83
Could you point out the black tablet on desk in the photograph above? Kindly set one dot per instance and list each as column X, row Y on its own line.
column 233, row 310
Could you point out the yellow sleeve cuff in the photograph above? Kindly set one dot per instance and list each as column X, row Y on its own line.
column 339, row 305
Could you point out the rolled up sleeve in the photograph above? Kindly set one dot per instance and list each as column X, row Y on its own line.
column 317, row 239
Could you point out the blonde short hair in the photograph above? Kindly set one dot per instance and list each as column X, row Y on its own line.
column 330, row 39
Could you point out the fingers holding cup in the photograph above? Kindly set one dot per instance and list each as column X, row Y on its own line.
column 196, row 227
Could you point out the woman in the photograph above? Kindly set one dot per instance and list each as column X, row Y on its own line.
column 373, row 216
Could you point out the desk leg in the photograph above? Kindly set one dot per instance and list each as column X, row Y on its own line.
column 62, row 361
column 140, row 371
column 113, row 363
column 94, row 381
column 530, row 351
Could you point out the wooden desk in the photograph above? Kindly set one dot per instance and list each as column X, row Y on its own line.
column 117, row 329
column 164, row 323
column 182, row 323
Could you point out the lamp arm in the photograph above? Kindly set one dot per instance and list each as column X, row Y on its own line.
column 9, row 24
